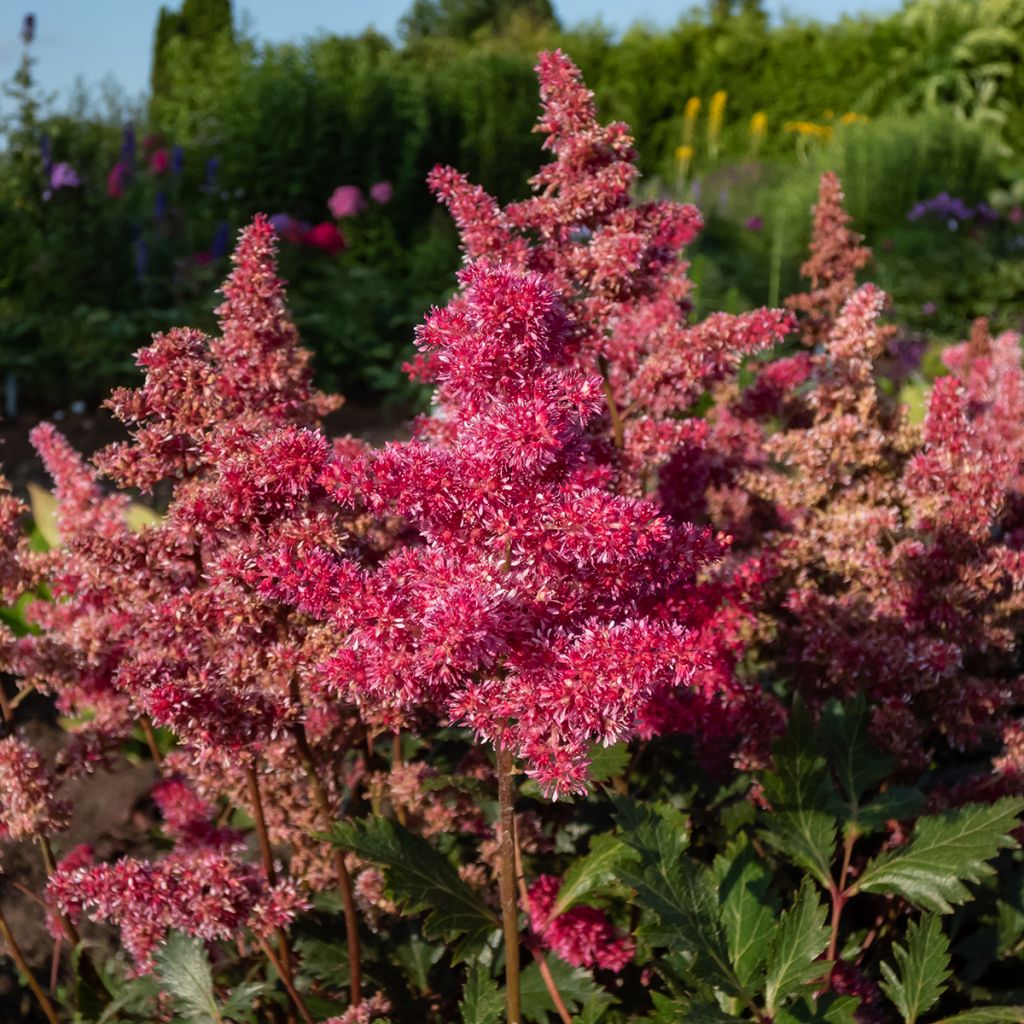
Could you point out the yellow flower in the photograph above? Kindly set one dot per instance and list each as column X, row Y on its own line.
column 854, row 118
column 716, row 113
column 690, row 115
column 759, row 124
column 684, row 154
column 808, row 128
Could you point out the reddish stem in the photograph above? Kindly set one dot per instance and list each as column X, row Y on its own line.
column 507, row 882
column 341, row 870
column 19, row 960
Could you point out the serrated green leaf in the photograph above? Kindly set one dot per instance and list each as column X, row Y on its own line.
column 419, row 879
column 575, row 985
column 945, row 851
column 900, row 803
column 801, row 937
column 417, row 957
column 607, row 762
column 183, row 969
column 666, row 1009
column 845, row 740
column 482, row 1002
column 748, row 911
column 800, row 791
column 705, row 1013
column 922, row 969
column 987, row 1015
column 684, row 899
column 239, row 1005
column 827, row 1009
column 594, row 871
column 326, row 961
column 657, row 833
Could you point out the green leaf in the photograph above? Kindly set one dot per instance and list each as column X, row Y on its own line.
column 706, row 1013
column 594, row 871
column 666, row 1010
column 657, row 832
column 899, row 803
column 418, row 878
column 799, row 791
column 141, row 517
column 607, row 762
column 748, row 911
column 184, row 970
column 482, row 1002
column 828, row 1009
column 417, row 957
column 987, row 1015
column 240, row 1003
column 922, row 969
column 326, row 961
column 844, row 737
column 682, row 896
column 945, row 850
column 575, row 985
column 801, row 937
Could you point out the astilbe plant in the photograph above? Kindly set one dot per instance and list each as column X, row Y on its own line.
column 564, row 558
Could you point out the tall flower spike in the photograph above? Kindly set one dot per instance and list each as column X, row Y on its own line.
column 527, row 611
column 29, row 805
column 836, row 258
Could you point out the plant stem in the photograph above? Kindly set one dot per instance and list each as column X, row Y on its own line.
column 50, row 865
column 507, row 882
column 396, row 762
column 5, row 705
column 269, row 953
column 19, row 960
column 618, row 432
column 344, row 880
column 266, row 856
column 839, row 896
column 154, row 748
column 535, row 950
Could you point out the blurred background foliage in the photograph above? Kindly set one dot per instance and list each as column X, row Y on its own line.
column 729, row 110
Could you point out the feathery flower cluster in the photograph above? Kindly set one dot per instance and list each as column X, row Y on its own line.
column 205, row 894
column 615, row 266
column 523, row 611
column 582, row 936
column 29, row 805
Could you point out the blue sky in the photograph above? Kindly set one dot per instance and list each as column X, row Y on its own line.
column 112, row 38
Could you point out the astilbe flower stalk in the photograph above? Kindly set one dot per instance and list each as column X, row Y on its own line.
column 161, row 626
column 524, row 611
column 205, row 894
column 615, row 266
column 29, row 804
column 888, row 559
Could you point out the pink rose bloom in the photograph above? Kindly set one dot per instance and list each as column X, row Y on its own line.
column 160, row 161
column 381, row 192
column 325, row 236
column 346, row 201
